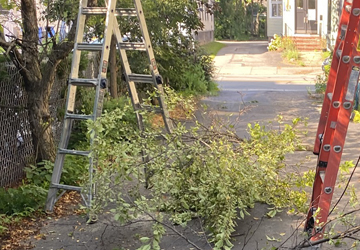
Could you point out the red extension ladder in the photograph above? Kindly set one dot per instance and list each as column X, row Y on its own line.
column 335, row 117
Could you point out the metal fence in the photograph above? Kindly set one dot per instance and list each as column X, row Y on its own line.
column 16, row 148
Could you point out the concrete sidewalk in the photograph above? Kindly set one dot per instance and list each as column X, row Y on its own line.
column 231, row 69
column 253, row 59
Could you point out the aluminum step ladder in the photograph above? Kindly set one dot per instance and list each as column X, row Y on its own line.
column 335, row 118
column 111, row 27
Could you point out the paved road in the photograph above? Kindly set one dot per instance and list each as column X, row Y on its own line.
column 257, row 83
column 264, row 85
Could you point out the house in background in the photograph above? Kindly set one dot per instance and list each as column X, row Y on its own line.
column 311, row 23
column 207, row 18
column 11, row 19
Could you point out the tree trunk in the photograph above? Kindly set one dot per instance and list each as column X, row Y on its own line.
column 38, row 92
column 37, row 87
column 40, row 123
column 257, row 25
column 113, row 69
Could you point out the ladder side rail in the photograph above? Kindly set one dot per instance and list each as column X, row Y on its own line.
column 336, row 126
column 104, row 60
column 101, row 88
column 344, row 19
column 80, row 27
column 337, row 147
column 331, row 114
column 70, row 104
column 133, row 95
column 127, row 72
column 157, row 80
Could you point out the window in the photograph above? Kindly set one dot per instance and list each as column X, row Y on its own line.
column 276, row 8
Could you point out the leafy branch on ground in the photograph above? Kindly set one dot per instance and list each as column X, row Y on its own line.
column 198, row 171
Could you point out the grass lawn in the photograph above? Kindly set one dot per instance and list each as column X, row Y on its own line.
column 213, row 48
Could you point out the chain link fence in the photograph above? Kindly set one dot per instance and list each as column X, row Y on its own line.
column 16, row 148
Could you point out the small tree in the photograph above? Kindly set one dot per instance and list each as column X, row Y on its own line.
column 37, row 64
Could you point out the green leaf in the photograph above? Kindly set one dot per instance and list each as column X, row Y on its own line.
column 242, row 214
column 145, row 239
column 272, row 213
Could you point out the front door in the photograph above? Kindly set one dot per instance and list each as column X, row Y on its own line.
column 306, row 17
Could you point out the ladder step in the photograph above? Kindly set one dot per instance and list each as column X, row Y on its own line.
column 73, row 152
column 141, row 78
column 123, row 45
column 78, row 117
column 103, row 10
column 66, row 187
column 89, row 46
column 84, row 82
column 132, row 46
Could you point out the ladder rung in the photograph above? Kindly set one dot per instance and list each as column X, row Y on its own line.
column 330, row 95
column 103, row 10
column 78, row 117
column 73, row 152
column 84, row 82
column 141, row 78
column 90, row 46
column 66, row 187
column 132, row 46
column 99, row 46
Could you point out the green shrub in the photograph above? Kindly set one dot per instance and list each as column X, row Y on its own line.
column 31, row 195
column 275, row 43
column 23, row 200
column 320, row 84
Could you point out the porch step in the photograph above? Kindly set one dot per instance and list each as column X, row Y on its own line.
column 308, row 43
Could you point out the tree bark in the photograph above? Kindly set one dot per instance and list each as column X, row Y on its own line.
column 40, row 120
column 113, row 69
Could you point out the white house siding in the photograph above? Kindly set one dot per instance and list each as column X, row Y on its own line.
column 322, row 7
column 289, row 18
column 207, row 34
column 274, row 26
